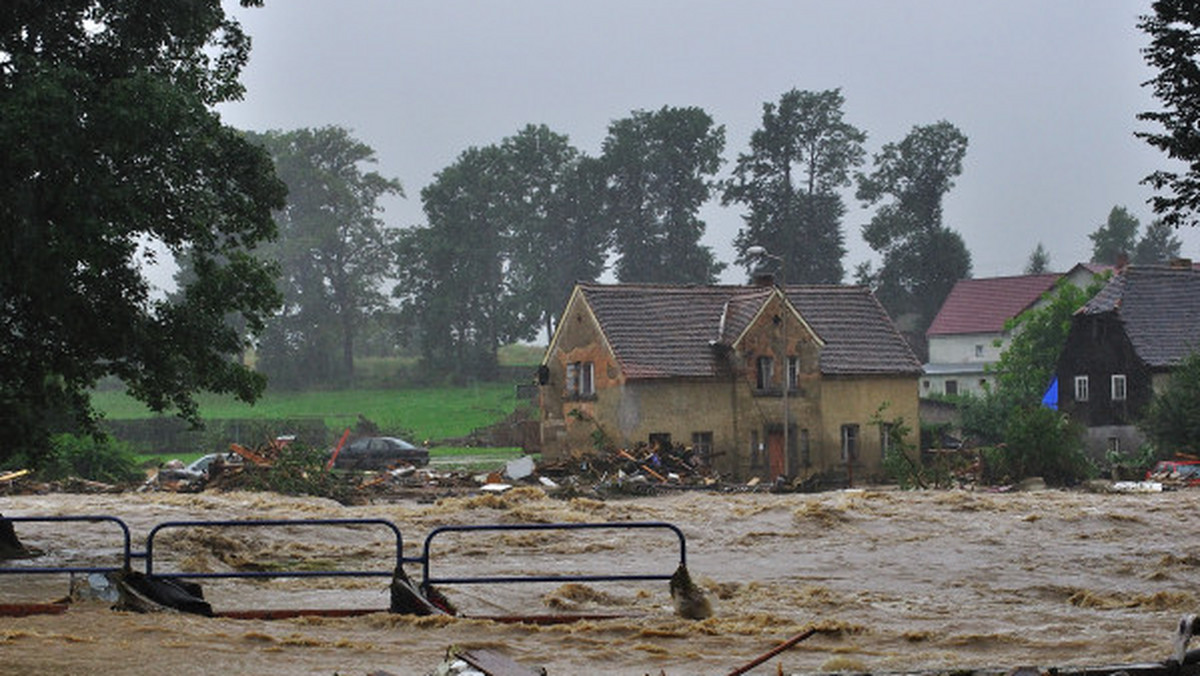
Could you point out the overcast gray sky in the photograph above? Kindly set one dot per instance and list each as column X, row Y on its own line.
column 1046, row 92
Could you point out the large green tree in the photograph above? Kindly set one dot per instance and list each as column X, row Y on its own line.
column 552, row 206
column 334, row 251
column 660, row 166
column 1172, row 422
column 922, row 258
column 1158, row 245
column 1174, row 51
column 452, row 272
column 1032, row 438
column 110, row 150
column 1116, row 237
column 799, row 159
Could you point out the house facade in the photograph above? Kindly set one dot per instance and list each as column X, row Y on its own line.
column 760, row 381
column 1121, row 349
column 968, row 334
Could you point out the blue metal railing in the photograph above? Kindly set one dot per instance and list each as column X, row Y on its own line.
column 126, row 552
column 426, row 558
column 277, row 523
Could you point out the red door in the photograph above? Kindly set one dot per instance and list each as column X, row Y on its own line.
column 776, row 460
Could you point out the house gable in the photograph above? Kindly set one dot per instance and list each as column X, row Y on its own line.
column 773, row 309
column 567, row 337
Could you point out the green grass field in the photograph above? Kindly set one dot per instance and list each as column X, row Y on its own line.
column 425, row 413
column 419, row 414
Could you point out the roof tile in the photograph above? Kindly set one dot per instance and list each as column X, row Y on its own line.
column 984, row 305
column 661, row 331
column 1159, row 307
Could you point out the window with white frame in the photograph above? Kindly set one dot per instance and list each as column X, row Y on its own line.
column 1118, row 387
column 764, row 373
column 849, row 443
column 581, row 379
column 1081, row 388
column 793, row 372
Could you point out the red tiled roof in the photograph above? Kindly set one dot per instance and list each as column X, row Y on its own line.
column 661, row 331
column 984, row 305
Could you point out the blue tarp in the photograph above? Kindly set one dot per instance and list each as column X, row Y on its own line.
column 1050, row 398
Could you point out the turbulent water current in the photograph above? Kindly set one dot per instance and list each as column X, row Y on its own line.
column 894, row 581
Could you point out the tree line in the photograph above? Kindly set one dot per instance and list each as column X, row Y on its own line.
column 510, row 227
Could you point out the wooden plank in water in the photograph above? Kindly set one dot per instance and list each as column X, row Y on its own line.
column 26, row 609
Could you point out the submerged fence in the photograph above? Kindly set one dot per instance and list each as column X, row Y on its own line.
column 426, row 559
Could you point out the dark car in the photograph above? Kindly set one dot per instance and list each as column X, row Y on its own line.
column 376, row 453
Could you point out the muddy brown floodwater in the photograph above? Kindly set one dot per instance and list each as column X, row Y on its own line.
column 897, row 581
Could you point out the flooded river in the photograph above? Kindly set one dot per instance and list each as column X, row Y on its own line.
column 895, row 581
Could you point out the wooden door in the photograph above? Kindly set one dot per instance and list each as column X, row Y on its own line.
column 776, row 459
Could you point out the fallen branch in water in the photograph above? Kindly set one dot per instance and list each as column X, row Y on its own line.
column 773, row 652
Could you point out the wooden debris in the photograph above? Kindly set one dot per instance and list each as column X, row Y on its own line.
column 493, row 663
column 773, row 652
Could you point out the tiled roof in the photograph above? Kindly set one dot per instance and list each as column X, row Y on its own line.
column 859, row 337
column 984, row 305
column 660, row 331
column 1159, row 307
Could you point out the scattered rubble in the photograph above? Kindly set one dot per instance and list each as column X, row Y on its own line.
column 642, row 470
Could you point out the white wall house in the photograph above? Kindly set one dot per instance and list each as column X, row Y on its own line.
column 968, row 335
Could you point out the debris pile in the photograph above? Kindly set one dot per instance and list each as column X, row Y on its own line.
column 640, row 469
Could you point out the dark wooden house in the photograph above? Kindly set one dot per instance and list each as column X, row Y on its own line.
column 1122, row 347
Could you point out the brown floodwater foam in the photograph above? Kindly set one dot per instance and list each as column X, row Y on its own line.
column 895, row 581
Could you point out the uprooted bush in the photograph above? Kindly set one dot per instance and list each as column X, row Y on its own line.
column 299, row 470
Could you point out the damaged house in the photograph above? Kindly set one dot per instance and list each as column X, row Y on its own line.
column 760, row 381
